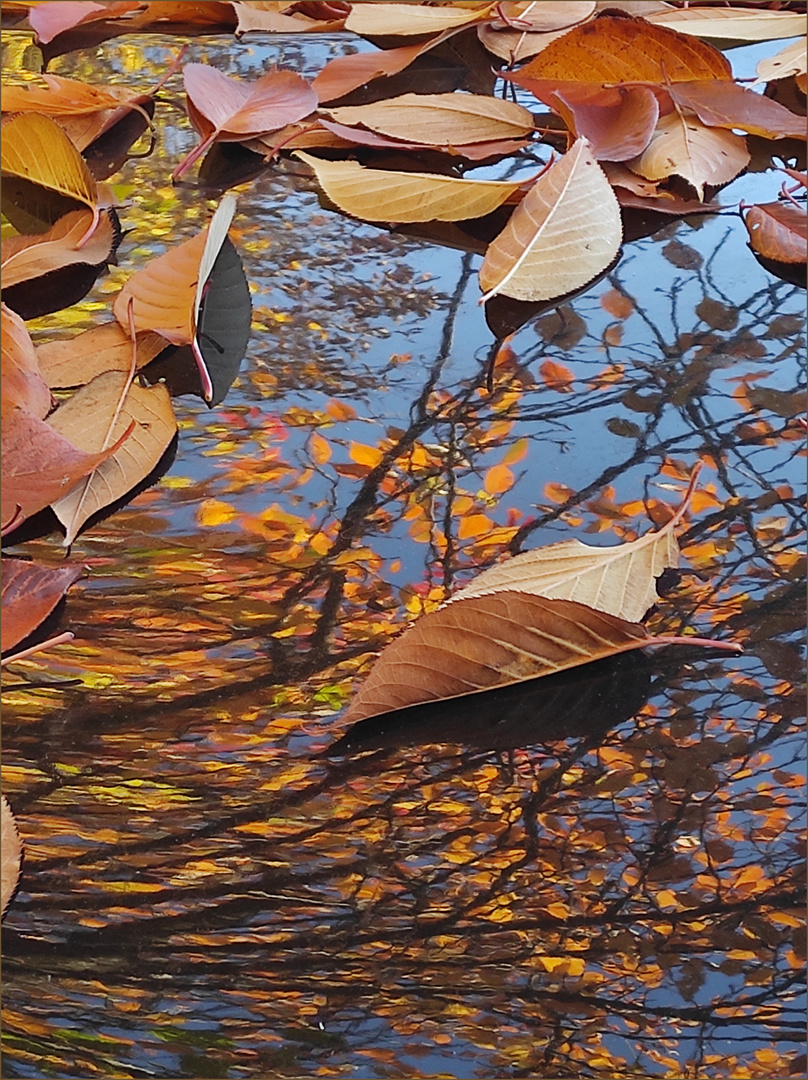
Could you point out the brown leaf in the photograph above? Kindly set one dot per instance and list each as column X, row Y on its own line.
column 22, row 385
column 95, row 417
column 683, row 146
column 619, row 49
column 438, row 119
column 723, row 104
column 75, row 361
column 64, row 97
column 487, row 641
column 563, row 233
column 618, row 121
column 346, row 73
column 777, row 231
column 11, row 857
column 44, row 175
column 383, row 195
column 791, row 60
column 39, row 465
column 267, row 18
column 30, row 592
column 227, row 110
column 397, row 20
column 24, row 258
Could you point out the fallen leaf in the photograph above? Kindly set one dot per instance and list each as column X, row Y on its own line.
column 617, row 304
column 514, row 46
column 30, row 592
column 94, row 418
column 50, row 20
column 618, row 121
column 64, row 97
column 44, row 176
column 777, row 231
column 719, row 103
column 11, row 858
column 566, row 230
column 732, row 24
column 74, row 361
column 407, row 20
column 619, row 49
column 39, row 465
column 228, row 110
column 267, row 18
column 543, row 16
column 24, row 258
column 683, row 146
column 22, row 384
column 383, row 195
column 791, row 60
column 557, row 376
column 437, row 119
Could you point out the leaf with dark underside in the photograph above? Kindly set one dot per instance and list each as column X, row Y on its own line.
column 29, row 594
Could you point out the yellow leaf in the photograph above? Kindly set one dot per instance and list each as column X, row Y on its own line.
column 365, row 455
column 474, row 525
column 516, row 452
column 498, row 479
column 215, row 512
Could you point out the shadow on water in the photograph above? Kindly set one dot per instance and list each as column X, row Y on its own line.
column 598, row 875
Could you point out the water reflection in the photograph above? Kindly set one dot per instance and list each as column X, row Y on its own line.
column 210, row 889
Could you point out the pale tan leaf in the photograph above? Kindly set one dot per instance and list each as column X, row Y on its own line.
column 732, row 24
column 792, row 60
column 620, row 580
column 11, row 849
column 77, row 360
column 27, row 257
column 440, row 119
column 563, row 233
column 487, row 641
column 383, row 195
column 22, row 385
column 268, row 18
column 683, row 146
column 514, row 46
column 400, row 20
column 85, row 420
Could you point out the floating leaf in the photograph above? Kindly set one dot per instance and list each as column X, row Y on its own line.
column 438, row 119
column 383, row 195
column 565, row 231
column 64, row 97
column 28, row 257
column 777, row 231
column 267, row 18
column 30, row 592
column 791, row 60
column 719, row 103
column 223, row 327
column 44, row 176
column 225, row 109
column 93, row 419
column 732, row 24
column 11, row 854
column 397, row 20
column 683, row 146
column 50, row 20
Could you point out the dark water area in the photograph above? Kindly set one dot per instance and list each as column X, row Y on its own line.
column 600, row 874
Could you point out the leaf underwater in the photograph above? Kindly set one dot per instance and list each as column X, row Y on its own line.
column 566, row 230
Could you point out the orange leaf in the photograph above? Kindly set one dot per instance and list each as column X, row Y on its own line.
column 320, row 448
column 617, row 304
column 498, row 479
column 365, row 455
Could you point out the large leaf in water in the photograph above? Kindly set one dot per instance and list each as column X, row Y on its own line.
column 22, row 383
column 734, row 24
column 223, row 326
column 93, row 419
column 30, row 592
column 408, row 20
column 777, row 231
column 74, row 361
column 10, row 854
column 566, row 230
column 582, row 702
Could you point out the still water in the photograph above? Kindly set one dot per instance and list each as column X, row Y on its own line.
column 599, row 877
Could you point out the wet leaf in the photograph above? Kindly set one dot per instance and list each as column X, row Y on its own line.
column 29, row 594
column 791, row 60
column 77, row 360
column 438, row 119
column 777, row 231
column 625, row 49
column 225, row 109
column 93, row 419
column 719, row 103
column 11, row 857
column 683, row 146
column 223, row 324
column 383, row 195
column 64, row 97
column 566, row 230
column 44, row 176
column 22, row 385
column 267, row 18
column 50, row 20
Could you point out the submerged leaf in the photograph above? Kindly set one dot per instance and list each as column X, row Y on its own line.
column 565, row 231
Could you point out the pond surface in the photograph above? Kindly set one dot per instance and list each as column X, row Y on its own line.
column 600, row 876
